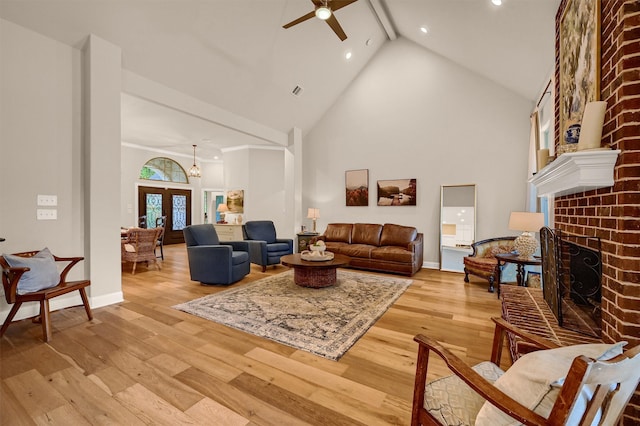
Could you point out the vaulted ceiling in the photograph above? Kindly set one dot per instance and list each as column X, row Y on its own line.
column 234, row 54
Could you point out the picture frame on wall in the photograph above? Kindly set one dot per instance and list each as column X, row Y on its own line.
column 579, row 66
column 356, row 184
column 235, row 201
column 397, row 192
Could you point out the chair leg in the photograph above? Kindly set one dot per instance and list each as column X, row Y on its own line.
column 491, row 289
column 133, row 271
column 466, row 275
column 264, row 268
column 45, row 316
column 12, row 313
column 85, row 302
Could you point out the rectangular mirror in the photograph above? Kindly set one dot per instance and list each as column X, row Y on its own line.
column 457, row 225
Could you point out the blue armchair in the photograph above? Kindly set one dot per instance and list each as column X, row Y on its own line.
column 264, row 247
column 212, row 261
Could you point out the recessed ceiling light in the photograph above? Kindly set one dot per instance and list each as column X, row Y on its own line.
column 215, row 157
column 348, row 55
column 424, row 29
column 497, row 2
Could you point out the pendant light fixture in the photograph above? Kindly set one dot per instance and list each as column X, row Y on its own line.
column 194, row 171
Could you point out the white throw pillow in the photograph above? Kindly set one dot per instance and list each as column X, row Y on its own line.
column 43, row 272
column 534, row 380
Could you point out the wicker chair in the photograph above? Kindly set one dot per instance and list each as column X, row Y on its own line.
column 140, row 246
column 482, row 262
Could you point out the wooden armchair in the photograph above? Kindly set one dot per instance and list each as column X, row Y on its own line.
column 140, row 246
column 482, row 262
column 557, row 386
column 11, row 279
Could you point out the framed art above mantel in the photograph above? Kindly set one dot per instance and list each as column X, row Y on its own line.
column 579, row 65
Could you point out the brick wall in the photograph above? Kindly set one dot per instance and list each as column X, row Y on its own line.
column 613, row 214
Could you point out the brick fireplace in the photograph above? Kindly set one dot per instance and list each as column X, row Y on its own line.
column 613, row 213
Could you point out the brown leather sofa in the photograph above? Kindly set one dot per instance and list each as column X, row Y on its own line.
column 384, row 248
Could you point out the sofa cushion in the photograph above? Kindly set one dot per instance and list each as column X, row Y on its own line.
column 335, row 247
column 397, row 235
column 338, row 232
column 487, row 264
column 277, row 247
column 362, row 251
column 239, row 257
column 366, row 233
column 392, row 254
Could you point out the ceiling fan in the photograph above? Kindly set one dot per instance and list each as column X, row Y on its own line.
column 324, row 10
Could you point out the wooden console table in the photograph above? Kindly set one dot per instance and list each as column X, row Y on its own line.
column 526, row 308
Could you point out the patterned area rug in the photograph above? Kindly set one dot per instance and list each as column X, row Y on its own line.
column 325, row 321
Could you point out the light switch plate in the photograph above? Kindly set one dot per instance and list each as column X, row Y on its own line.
column 47, row 214
column 47, row 200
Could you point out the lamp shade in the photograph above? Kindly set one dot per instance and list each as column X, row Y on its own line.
column 526, row 221
column 222, row 208
column 313, row 213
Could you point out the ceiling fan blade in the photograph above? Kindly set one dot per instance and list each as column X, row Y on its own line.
column 300, row 19
column 335, row 26
column 339, row 4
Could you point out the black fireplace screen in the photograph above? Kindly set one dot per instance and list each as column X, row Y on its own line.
column 572, row 279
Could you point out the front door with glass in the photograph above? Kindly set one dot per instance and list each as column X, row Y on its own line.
column 175, row 204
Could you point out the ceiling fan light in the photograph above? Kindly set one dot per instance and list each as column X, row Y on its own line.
column 323, row 12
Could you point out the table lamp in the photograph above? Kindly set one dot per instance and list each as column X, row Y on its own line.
column 528, row 222
column 222, row 209
column 313, row 214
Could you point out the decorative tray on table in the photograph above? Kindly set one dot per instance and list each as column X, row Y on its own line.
column 315, row 256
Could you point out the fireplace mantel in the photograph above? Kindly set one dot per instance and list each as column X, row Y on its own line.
column 575, row 172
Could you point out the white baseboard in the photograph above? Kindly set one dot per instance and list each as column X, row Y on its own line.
column 431, row 265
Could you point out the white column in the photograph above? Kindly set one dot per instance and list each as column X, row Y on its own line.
column 102, row 71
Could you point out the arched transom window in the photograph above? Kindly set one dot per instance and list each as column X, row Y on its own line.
column 163, row 169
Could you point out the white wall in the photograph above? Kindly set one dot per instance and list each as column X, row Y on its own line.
column 414, row 114
column 260, row 172
column 40, row 146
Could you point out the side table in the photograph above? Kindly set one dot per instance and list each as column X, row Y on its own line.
column 520, row 264
column 304, row 238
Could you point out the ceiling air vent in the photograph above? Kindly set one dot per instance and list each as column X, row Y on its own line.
column 297, row 90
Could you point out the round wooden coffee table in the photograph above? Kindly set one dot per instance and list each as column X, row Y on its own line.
column 314, row 274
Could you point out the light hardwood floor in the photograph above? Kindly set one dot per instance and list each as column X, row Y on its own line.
column 142, row 362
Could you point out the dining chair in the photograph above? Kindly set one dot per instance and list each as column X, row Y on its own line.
column 161, row 222
column 140, row 246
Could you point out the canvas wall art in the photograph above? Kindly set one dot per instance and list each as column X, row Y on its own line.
column 357, row 187
column 398, row 192
column 235, row 201
column 579, row 64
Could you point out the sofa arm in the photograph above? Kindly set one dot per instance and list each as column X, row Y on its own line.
column 257, row 252
column 206, row 263
column 417, row 247
column 288, row 241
